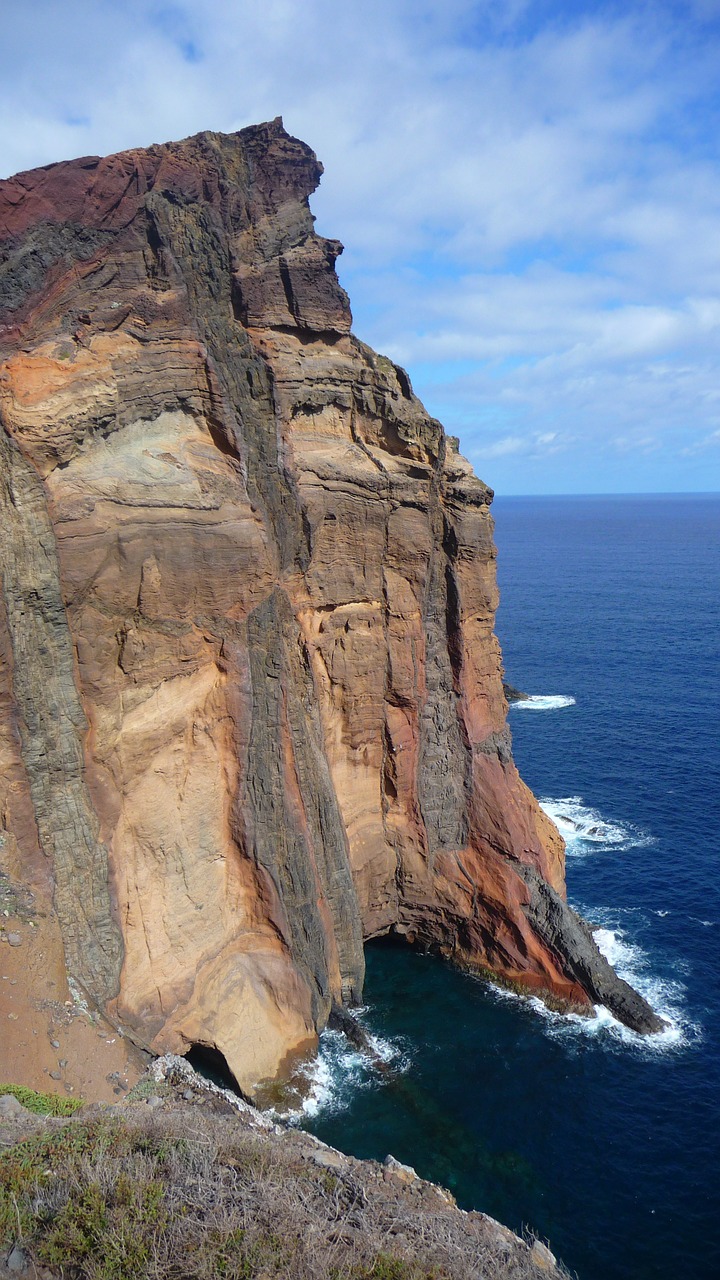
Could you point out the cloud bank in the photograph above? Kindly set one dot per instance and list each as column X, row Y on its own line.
column 528, row 193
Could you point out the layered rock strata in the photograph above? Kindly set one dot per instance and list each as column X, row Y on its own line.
column 251, row 709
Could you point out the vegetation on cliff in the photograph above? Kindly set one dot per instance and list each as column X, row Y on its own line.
column 181, row 1185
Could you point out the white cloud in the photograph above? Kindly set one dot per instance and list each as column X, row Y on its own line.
column 711, row 441
column 501, row 448
column 532, row 446
column 530, row 204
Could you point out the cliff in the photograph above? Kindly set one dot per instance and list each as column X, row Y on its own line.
column 183, row 1180
column 251, row 709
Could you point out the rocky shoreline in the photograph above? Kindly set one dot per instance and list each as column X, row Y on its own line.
column 306, row 1209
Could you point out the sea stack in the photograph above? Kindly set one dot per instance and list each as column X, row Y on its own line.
column 251, row 704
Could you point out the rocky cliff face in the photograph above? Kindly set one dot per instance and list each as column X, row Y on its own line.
column 251, row 709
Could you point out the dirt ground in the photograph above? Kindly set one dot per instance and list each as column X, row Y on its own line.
column 48, row 1039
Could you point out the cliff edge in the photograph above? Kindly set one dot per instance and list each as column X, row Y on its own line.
column 251, row 709
column 183, row 1179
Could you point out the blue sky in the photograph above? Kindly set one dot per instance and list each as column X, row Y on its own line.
column 528, row 193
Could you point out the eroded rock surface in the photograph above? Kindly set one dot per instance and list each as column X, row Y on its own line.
column 251, row 708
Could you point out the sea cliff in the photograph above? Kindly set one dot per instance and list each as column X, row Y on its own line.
column 251, row 703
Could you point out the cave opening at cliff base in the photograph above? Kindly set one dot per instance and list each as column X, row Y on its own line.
column 212, row 1065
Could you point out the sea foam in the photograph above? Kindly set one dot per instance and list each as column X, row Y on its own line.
column 330, row 1080
column 665, row 996
column 543, row 702
column 585, row 831
column 583, row 827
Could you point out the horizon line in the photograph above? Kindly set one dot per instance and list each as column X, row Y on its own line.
column 640, row 493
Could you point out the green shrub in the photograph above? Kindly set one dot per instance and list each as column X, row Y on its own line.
column 386, row 1267
column 42, row 1104
column 231, row 1255
column 108, row 1233
column 194, row 1197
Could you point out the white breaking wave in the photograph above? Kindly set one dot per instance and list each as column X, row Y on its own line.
column 630, row 962
column 585, row 829
column 664, row 995
column 329, row 1081
column 543, row 702
column 582, row 827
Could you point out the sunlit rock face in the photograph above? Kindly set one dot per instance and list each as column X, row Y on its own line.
column 251, row 709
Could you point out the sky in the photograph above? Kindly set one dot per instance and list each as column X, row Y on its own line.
column 528, row 194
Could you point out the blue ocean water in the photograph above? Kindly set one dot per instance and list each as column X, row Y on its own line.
column 604, row 1144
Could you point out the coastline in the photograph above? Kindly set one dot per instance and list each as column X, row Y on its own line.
column 270, row 1200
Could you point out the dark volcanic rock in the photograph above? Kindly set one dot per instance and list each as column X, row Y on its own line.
column 251, row 704
column 514, row 695
column 571, row 938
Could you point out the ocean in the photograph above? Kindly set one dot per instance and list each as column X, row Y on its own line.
column 604, row 1144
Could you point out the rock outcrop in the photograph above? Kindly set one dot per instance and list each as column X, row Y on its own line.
column 251, row 708
column 218, row 1189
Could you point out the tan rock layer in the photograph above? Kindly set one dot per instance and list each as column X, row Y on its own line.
column 251, row 696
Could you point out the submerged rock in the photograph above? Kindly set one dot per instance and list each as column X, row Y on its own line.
column 233, row 1192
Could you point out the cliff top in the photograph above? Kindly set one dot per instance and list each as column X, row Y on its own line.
column 182, row 1178
column 97, row 191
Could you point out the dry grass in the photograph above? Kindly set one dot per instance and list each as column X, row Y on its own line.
column 184, row 1193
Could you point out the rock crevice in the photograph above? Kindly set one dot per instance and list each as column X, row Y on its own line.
column 250, row 594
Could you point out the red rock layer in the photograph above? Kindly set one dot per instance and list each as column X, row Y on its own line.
column 251, row 699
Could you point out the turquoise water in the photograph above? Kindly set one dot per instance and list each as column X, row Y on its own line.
column 603, row 1143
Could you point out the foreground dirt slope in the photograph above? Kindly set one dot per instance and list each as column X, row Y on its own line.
column 251, row 710
column 187, row 1182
